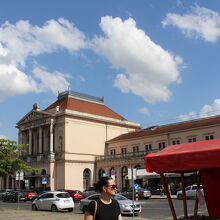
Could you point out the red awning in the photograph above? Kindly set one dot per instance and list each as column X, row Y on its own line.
column 202, row 156
column 185, row 157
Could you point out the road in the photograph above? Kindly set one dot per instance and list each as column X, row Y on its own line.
column 151, row 209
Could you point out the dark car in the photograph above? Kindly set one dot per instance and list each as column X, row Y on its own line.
column 14, row 196
column 3, row 192
column 142, row 193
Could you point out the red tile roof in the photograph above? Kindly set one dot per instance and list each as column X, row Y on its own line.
column 170, row 128
column 85, row 107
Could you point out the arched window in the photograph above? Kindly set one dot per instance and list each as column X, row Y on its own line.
column 112, row 173
column 86, row 178
column 43, row 172
column 101, row 171
column 124, row 174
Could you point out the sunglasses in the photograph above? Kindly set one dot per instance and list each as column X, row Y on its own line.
column 112, row 186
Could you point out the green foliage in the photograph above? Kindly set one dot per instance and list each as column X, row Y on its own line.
column 9, row 158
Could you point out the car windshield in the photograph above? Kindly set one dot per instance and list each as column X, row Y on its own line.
column 63, row 195
column 119, row 197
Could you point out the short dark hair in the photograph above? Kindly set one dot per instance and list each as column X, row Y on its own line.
column 103, row 181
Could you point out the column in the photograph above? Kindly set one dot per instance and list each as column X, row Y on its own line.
column 51, row 136
column 20, row 140
column 30, row 142
column 40, row 140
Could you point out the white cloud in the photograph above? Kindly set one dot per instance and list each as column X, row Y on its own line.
column 206, row 111
column 149, row 69
column 190, row 115
column 3, row 136
column 54, row 82
column 145, row 111
column 21, row 40
column 200, row 23
column 13, row 81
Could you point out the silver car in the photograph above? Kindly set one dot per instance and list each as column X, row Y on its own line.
column 126, row 205
column 190, row 192
column 54, row 201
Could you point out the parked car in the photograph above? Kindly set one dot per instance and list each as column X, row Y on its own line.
column 77, row 195
column 54, row 201
column 3, row 192
column 190, row 192
column 14, row 196
column 89, row 191
column 142, row 193
column 126, row 205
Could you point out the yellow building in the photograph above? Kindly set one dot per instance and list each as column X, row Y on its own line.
column 127, row 150
column 65, row 138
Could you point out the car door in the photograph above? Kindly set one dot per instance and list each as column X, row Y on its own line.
column 40, row 201
column 193, row 192
column 44, row 202
column 48, row 201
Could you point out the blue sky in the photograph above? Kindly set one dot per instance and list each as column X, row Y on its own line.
column 154, row 61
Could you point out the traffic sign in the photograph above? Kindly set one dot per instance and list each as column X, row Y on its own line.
column 136, row 187
column 44, row 180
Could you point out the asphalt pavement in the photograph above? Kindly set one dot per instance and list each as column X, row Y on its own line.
column 20, row 214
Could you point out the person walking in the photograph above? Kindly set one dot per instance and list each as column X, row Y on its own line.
column 104, row 208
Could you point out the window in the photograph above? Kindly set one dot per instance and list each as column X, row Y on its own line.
column 63, row 195
column 209, row 137
column 174, row 142
column 124, row 150
column 135, row 148
column 161, row 145
column 148, row 147
column 112, row 151
column 192, row 140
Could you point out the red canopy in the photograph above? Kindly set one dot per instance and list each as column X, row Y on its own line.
column 185, row 157
column 202, row 156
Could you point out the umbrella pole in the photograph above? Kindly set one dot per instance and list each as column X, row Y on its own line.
column 165, row 186
column 184, row 195
column 197, row 199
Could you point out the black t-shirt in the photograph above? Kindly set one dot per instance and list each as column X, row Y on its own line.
column 105, row 211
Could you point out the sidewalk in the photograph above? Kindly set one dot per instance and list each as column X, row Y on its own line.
column 10, row 214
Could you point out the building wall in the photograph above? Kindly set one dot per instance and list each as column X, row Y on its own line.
column 115, row 158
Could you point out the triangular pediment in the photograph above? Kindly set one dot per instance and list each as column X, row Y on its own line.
column 34, row 115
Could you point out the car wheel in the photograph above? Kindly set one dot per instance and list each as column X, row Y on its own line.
column 180, row 197
column 34, row 207
column 13, row 200
column 54, row 208
column 70, row 210
column 84, row 208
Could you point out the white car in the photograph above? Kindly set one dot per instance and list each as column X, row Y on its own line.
column 54, row 201
column 190, row 192
column 126, row 205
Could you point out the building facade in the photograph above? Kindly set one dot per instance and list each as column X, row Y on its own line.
column 65, row 138
column 77, row 139
column 128, row 150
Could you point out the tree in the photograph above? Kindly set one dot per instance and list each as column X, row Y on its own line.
column 9, row 158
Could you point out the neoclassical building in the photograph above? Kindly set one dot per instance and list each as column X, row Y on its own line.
column 65, row 138
column 78, row 138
